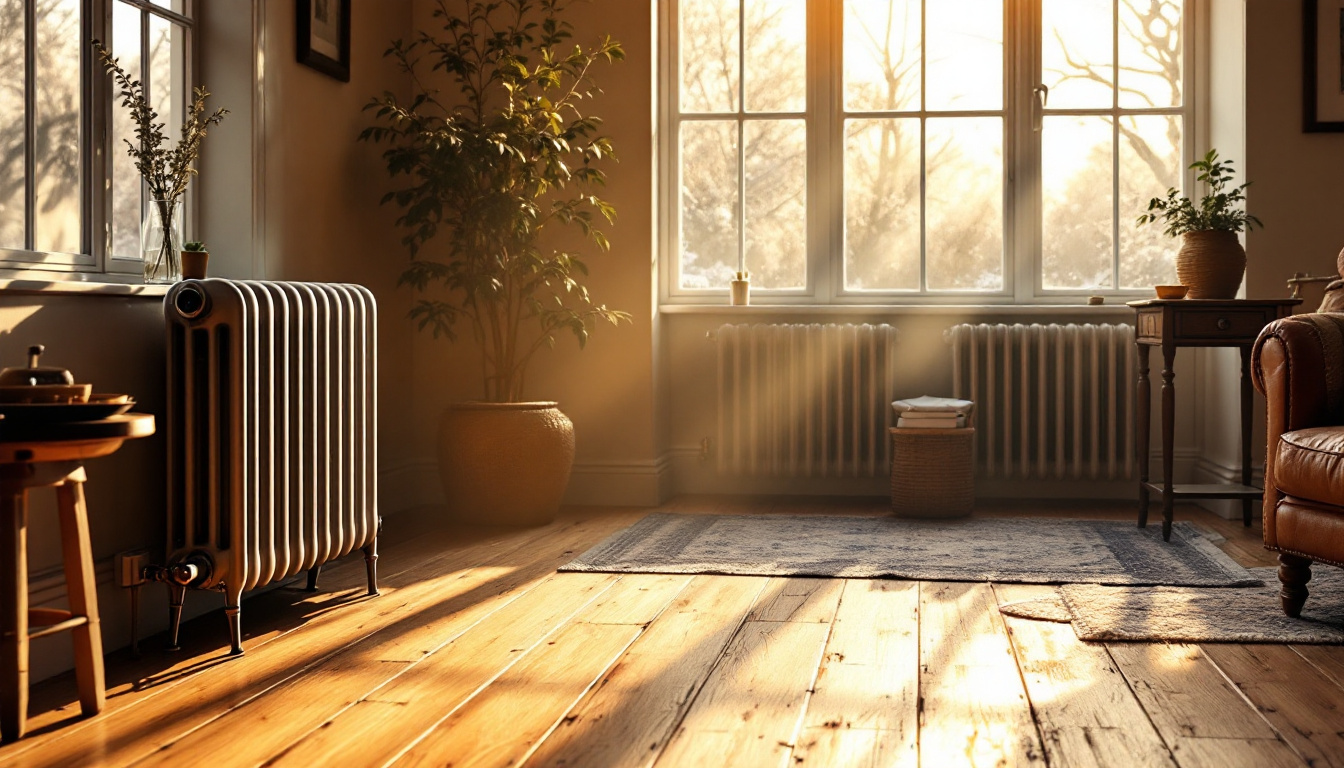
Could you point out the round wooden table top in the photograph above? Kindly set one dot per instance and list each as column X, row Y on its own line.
column 33, row 441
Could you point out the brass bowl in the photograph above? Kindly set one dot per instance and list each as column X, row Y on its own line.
column 1171, row 291
column 46, row 393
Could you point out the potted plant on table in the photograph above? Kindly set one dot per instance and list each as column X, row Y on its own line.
column 165, row 169
column 1211, row 261
column 487, row 175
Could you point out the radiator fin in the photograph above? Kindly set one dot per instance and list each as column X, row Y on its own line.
column 1052, row 401
column 805, row 400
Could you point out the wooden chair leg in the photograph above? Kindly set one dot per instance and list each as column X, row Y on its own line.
column 13, row 613
column 82, row 589
column 1294, row 573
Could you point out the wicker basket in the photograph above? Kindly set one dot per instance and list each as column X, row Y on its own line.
column 932, row 472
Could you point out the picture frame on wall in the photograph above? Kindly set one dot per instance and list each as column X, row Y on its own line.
column 324, row 36
column 1323, row 66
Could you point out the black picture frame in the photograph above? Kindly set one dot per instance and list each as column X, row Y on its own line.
column 1323, row 65
column 315, row 39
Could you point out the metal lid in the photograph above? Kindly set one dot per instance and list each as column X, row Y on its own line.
column 34, row 374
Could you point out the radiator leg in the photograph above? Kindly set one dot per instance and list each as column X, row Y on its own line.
column 371, row 564
column 177, row 593
column 233, row 610
column 313, row 573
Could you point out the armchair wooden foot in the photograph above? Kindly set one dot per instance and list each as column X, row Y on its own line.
column 1294, row 573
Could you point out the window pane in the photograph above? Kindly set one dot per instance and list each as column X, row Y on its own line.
column 57, row 113
column 12, row 145
column 1151, row 48
column 125, row 179
column 709, row 55
column 1077, row 55
column 709, row 203
column 965, row 54
column 882, row 55
column 1150, row 163
column 167, row 91
column 1076, row 192
column 882, row 242
column 964, row 212
column 776, row 56
column 777, row 202
column 179, row 6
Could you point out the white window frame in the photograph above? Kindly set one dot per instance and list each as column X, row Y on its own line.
column 97, row 102
column 1022, row 204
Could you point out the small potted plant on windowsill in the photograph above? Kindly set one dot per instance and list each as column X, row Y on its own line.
column 1211, row 261
column 194, row 260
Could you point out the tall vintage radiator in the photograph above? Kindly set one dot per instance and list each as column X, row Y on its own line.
column 1052, row 401
column 805, row 400
column 272, row 428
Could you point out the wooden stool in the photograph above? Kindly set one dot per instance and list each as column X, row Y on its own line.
column 27, row 463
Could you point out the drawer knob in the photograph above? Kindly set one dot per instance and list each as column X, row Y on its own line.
column 1223, row 324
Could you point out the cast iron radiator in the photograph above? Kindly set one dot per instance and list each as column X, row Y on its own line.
column 271, row 428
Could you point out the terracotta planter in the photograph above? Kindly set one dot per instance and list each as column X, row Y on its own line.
column 1211, row 263
column 505, row 463
column 193, row 264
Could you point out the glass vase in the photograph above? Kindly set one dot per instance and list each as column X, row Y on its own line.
column 161, row 241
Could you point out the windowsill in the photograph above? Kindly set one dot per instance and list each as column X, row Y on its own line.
column 40, row 284
column 1113, row 307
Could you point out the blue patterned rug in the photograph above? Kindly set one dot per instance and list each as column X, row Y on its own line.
column 1021, row 550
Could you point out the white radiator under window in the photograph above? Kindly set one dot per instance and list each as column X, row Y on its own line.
column 805, row 400
column 1052, row 401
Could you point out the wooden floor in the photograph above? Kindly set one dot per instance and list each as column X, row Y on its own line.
column 478, row 653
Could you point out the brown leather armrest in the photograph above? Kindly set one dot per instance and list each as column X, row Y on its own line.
column 1298, row 364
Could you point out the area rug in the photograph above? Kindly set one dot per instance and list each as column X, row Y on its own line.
column 1185, row 615
column 1028, row 551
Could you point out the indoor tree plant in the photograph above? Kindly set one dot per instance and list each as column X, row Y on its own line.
column 165, row 169
column 1211, row 261
column 487, row 174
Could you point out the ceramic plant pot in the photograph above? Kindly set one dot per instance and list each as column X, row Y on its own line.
column 505, row 463
column 1211, row 263
column 194, row 263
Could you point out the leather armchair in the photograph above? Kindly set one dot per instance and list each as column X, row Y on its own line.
column 1298, row 364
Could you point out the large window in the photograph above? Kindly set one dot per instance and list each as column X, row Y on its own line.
column 872, row 150
column 70, row 197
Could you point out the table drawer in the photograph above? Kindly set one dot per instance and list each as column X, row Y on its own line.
column 1221, row 324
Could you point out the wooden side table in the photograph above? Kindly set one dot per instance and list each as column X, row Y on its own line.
column 1174, row 323
column 37, row 455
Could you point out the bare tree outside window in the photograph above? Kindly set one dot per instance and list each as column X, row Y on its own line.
column 923, row 128
column 56, row 128
column 1098, row 171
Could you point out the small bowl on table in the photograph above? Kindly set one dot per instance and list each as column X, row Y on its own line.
column 1171, row 291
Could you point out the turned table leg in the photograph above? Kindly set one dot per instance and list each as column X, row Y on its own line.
column 82, row 590
column 13, row 612
column 1143, row 418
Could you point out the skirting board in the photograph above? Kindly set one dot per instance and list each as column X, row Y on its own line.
column 620, row 484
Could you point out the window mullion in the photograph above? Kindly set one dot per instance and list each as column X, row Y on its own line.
column 826, row 151
column 30, row 125
column 1026, row 184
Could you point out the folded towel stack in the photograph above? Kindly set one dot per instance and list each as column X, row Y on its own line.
column 932, row 412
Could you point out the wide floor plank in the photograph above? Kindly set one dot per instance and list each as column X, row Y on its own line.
column 865, row 707
column 1087, row 714
column 975, row 707
column 1304, row 706
column 630, row 715
column 749, row 710
column 412, row 703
